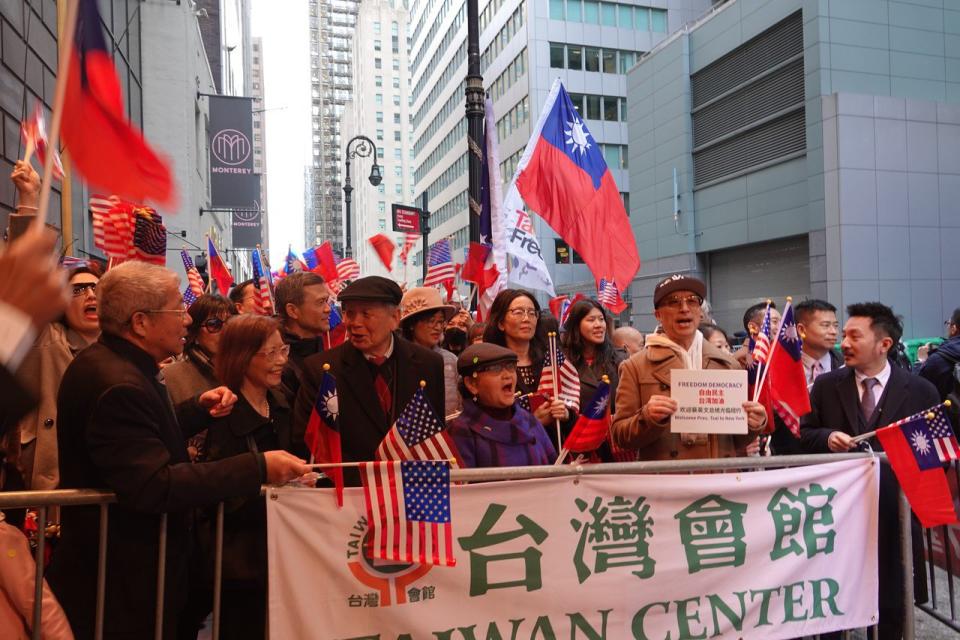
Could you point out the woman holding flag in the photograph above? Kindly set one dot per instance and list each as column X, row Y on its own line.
column 514, row 324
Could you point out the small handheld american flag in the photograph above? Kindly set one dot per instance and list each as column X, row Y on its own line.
column 194, row 280
column 568, row 389
column 609, row 295
column 930, row 437
column 348, row 269
column 440, row 264
column 261, row 283
column 418, row 434
column 409, row 239
column 408, row 508
column 149, row 236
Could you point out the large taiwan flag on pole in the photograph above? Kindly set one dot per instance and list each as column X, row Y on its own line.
column 563, row 177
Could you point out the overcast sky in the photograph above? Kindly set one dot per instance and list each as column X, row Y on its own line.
column 284, row 29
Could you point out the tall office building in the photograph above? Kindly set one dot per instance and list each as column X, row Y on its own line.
column 379, row 110
column 257, row 82
column 524, row 45
column 331, row 25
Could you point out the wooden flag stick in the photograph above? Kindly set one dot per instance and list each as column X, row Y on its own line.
column 342, row 465
column 59, row 97
column 760, row 368
column 773, row 348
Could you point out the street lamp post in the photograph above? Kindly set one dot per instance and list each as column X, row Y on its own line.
column 364, row 148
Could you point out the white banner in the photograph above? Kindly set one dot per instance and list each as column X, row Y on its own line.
column 770, row 554
column 524, row 256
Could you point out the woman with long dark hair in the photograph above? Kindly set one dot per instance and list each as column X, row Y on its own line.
column 587, row 343
column 250, row 362
column 514, row 324
column 193, row 373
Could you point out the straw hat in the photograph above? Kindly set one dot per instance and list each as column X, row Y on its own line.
column 421, row 299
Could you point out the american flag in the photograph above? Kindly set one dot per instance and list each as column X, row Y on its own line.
column 261, row 283
column 189, row 297
column 569, row 388
column 609, row 295
column 112, row 232
column 70, row 262
column 930, row 437
column 194, row 280
column 409, row 239
column 34, row 135
column 440, row 265
column 761, row 350
column 149, row 236
column 418, row 434
column 408, row 510
column 348, row 269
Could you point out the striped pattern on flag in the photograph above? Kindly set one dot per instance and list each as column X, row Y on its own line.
column 440, row 265
column 569, row 388
column 112, row 231
column 608, row 294
column 261, row 283
column 194, row 279
column 418, row 434
column 408, row 511
column 761, row 350
column 409, row 239
column 149, row 236
column 348, row 269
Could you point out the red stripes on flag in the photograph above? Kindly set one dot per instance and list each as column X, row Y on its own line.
column 348, row 269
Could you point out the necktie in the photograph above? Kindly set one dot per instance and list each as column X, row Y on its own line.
column 815, row 371
column 867, row 402
column 381, row 386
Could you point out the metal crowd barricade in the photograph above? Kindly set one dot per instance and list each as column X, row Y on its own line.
column 942, row 547
column 78, row 497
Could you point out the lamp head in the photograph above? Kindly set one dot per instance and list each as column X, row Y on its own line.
column 375, row 177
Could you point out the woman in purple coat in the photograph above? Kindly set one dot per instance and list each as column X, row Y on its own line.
column 493, row 430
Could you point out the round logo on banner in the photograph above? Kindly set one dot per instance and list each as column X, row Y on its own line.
column 230, row 146
column 391, row 581
column 247, row 215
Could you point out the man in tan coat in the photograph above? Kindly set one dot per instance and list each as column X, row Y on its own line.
column 644, row 405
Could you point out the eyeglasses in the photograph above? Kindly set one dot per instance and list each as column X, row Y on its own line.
column 280, row 353
column 499, row 367
column 212, row 325
column 520, row 314
column 182, row 310
column 677, row 302
column 82, row 288
column 439, row 321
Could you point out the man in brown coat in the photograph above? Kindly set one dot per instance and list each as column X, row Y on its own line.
column 644, row 405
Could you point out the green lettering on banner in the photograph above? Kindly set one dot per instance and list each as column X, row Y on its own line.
column 789, row 602
column 764, row 604
column 578, row 622
column 711, row 531
column 717, row 604
column 544, row 629
column 639, row 633
column 493, row 632
column 684, row 619
column 483, row 538
column 803, row 521
column 833, row 590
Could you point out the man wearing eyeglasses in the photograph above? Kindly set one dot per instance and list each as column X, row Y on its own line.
column 303, row 302
column 644, row 405
column 120, row 432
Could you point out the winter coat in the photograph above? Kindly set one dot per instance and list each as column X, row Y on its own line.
column 190, row 376
column 647, row 373
column 451, row 394
column 483, row 441
column 938, row 368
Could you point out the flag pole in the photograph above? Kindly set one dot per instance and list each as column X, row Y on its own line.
column 760, row 367
column 59, row 97
column 343, row 465
column 773, row 349
column 552, row 344
column 929, row 416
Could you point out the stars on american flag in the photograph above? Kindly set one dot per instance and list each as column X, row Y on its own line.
column 418, row 421
column 426, row 488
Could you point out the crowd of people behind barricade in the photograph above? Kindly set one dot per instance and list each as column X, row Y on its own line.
column 110, row 382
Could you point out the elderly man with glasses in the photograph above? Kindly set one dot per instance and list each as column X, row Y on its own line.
column 644, row 405
column 120, row 432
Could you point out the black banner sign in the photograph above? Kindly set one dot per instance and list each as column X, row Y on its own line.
column 233, row 184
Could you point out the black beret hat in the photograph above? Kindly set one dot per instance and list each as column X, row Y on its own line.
column 483, row 354
column 678, row 282
column 372, row 289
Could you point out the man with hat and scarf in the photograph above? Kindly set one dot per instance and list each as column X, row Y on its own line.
column 644, row 405
column 376, row 370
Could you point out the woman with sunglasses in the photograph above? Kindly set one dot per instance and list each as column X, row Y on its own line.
column 43, row 366
column 250, row 361
column 514, row 324
column 494, row 430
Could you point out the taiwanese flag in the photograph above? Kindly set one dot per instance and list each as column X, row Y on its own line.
column 787, row 383
column 323, row 431
column 563, row 177
column 917, row 448
column 326, row 263
column 104, row 147
column 218, row 269
column 310, row 258
column 593, row 425
column 384, row 247
column 337, row 333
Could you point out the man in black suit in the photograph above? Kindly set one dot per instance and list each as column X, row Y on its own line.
column 119, row 432
column 377, row 371
column 867, row 394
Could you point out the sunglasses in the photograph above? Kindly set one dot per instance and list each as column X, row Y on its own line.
column 212, row 325
column 82, row 288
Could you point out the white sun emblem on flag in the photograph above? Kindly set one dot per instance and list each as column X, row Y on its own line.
column 331, row 405
column 920, row 442
column 791, row 332
column 602, row 403
column 577, row 137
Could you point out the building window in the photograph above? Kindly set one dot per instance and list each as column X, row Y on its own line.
column 382, row 224
column 625, row 16
column 377, row 63
column 626, row 61
column 398, row 154
column 376, row 45
column 382, row 207
column 394, row 29
column 396, row 101
column 396, row 64
column 398, row 171
column 380, row 117
column 592, row 59
column 574, row 11
column 380, row 135
column 395, row 44
column 556, row 56
column 556, row 10
column 396, row 136
column 381, row 188
column 396, row 83
column 658, row 20
column 378, row 81
column 376, row 27
column 593, row 107
column 378, row 99
column 641, row 19
column 575, row 57
column 610, row 109
column 591, row 12
column 398, row 189
column 626, row 201
column 608, row 14
column 396, row 118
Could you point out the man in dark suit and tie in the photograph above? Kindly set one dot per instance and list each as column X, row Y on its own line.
column 867, row 394
column 377, row 371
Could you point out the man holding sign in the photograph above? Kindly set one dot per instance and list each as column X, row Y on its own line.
column 644, row 402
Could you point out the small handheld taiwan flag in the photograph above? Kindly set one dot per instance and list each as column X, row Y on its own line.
column 593, row 425
column 323, row 431
column 408, row 510
column 917, row 447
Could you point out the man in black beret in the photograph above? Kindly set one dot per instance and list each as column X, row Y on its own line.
column 376, row 370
